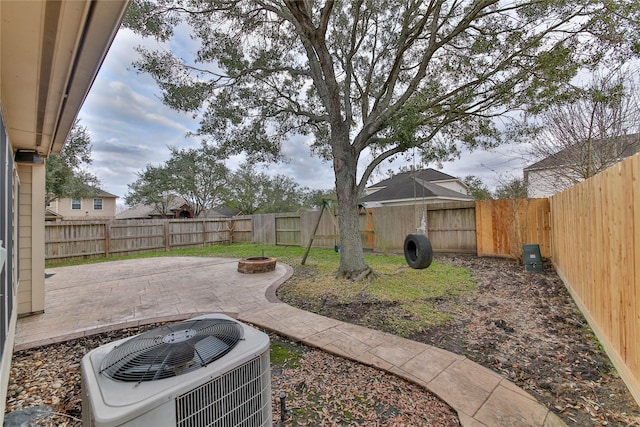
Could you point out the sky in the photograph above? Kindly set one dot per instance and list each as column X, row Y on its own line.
column 130, row 128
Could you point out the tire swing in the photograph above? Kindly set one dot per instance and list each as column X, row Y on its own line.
column 418, row 251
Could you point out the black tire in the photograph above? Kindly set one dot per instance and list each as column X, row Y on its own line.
column 418, row 251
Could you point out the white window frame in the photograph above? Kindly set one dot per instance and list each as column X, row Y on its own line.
column 94, row 204
column 73, row 202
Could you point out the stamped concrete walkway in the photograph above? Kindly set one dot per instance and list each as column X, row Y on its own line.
column 87, row 299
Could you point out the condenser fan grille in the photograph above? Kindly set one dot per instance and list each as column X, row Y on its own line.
column 171, row 350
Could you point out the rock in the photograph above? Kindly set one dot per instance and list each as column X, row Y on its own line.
column 28, row 417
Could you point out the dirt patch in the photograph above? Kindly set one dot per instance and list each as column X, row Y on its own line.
column 523, row 325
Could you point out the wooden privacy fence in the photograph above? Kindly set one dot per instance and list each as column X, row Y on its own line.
column 451, row 227
column 596, row 251
column 460, row 227
column 71, row 239
column 503, row 226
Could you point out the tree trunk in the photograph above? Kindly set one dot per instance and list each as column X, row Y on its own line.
column 352, row 263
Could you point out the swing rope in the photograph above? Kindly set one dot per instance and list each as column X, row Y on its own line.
column 422, row 228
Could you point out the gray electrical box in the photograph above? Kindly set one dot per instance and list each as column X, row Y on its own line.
column 532, row 258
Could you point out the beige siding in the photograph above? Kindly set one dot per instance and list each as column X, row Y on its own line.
column 547, row 182
column 416, row 201
column 453, row 185
column 63, row 207
column 31, row 239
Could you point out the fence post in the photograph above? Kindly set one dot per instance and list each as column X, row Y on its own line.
column 167, row 236
column 107, row 238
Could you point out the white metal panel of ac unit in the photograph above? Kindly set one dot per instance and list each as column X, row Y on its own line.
column 234, row 390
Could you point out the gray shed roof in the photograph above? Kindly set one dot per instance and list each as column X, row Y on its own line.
column 415, row 184
column 428, row 174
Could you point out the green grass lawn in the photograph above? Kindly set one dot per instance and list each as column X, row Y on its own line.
column 406, row 296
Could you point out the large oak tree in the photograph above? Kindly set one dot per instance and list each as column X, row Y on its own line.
column 66, row 173
column 368, row 80
column 251, row 191
column 197, row 175
column 153, row 187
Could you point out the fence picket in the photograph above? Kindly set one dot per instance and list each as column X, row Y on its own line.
column 596, row 252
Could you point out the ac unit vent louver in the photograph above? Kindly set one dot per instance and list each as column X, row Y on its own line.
column 209, row 371
column 172, row 350
column 235, row 400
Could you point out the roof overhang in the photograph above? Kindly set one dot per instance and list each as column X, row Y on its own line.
column 50, row 54
column 417, row 201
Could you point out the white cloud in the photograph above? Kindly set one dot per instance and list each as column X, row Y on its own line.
column 129, row 126
column 307, row 170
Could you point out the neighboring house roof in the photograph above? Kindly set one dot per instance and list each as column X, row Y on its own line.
column 92, row 192
column 136, row 212
column 428, row 174
column 146, row 211
column 50, row 215
column 628, row 145
column 97, row 192
column 420, row 184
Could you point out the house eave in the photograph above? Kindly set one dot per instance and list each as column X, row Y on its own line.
column 52, row 51
column 418, row 201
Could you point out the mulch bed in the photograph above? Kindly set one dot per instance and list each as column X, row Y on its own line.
column 526, row 327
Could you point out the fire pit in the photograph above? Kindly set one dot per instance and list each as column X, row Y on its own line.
column 258, row 264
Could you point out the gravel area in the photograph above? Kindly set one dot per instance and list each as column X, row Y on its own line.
column 320, row 389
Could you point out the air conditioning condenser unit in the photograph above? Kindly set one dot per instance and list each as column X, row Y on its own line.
column 207, row 371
